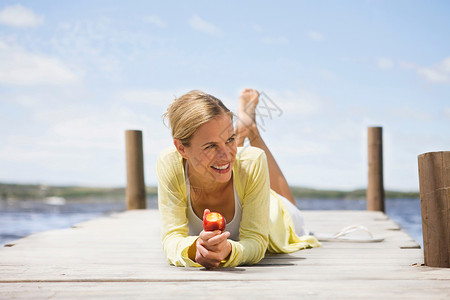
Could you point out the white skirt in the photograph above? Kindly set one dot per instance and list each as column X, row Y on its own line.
column 296, row 216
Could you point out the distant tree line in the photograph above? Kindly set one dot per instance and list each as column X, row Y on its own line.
column 301, row 192
column 40, row 191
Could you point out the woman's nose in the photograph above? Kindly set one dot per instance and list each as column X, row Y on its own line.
column 223, row 153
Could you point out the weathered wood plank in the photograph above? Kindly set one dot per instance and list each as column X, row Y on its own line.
column 121, row 257
column 306, row 289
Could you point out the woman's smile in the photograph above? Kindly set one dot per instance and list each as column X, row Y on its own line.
column 221, row 168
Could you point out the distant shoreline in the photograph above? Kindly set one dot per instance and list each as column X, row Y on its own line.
column 39, row 191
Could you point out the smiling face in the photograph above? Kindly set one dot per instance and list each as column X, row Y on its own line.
column 212, row 151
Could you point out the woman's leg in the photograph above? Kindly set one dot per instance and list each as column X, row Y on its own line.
column 246, row 128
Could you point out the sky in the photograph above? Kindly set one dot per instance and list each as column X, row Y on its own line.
column 75, row 75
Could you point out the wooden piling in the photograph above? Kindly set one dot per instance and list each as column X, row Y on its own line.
column 375, row 187
column 135, row 192
column 434, row 179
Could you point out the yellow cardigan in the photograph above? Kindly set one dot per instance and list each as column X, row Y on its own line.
column 265, row 226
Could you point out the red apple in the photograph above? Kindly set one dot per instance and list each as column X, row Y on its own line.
column 214, row 221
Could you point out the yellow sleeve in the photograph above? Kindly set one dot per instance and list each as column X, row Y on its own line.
column 252, row 183
column 172, row 205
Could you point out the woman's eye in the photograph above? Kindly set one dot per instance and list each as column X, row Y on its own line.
column 231, row 139
column 209, row 147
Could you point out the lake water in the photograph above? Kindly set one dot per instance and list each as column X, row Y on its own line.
column 22, row 218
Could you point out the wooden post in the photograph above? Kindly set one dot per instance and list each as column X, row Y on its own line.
column 135, row 193
column 375, row 187
column 434, row 179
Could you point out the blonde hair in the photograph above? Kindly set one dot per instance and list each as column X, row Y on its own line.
column 187, row 113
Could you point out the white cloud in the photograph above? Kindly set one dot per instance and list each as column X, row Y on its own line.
column 327, row 74
column 433, row 75
column 316, row 36
column 385, row 63
column 83, row 142
column 19, row 67
column 155, row 20
column 299, row 102
column 99, row 47
column 323, row 151
column 290, row 145
column 447, row 112
column 439, row 73
column 409, row 113
column 19, row 16
column 201, row 25
column 256, row 27
column 92, row 127
column 151, row 97
column 407, row 65
column 281, row 40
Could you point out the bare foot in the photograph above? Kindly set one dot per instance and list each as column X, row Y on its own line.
column 246, row 123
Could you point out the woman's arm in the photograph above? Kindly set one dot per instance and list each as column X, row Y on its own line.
column 172, row 207
column 254, row 229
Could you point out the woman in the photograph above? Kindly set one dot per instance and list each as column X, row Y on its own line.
column 207, row 171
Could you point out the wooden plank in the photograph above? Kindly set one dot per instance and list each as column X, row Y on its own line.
column 268, row 289
column 121, row 257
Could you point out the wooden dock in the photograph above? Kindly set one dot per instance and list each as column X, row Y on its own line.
column 120, row 256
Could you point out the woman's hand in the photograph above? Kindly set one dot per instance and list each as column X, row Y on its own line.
column 212, row 247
